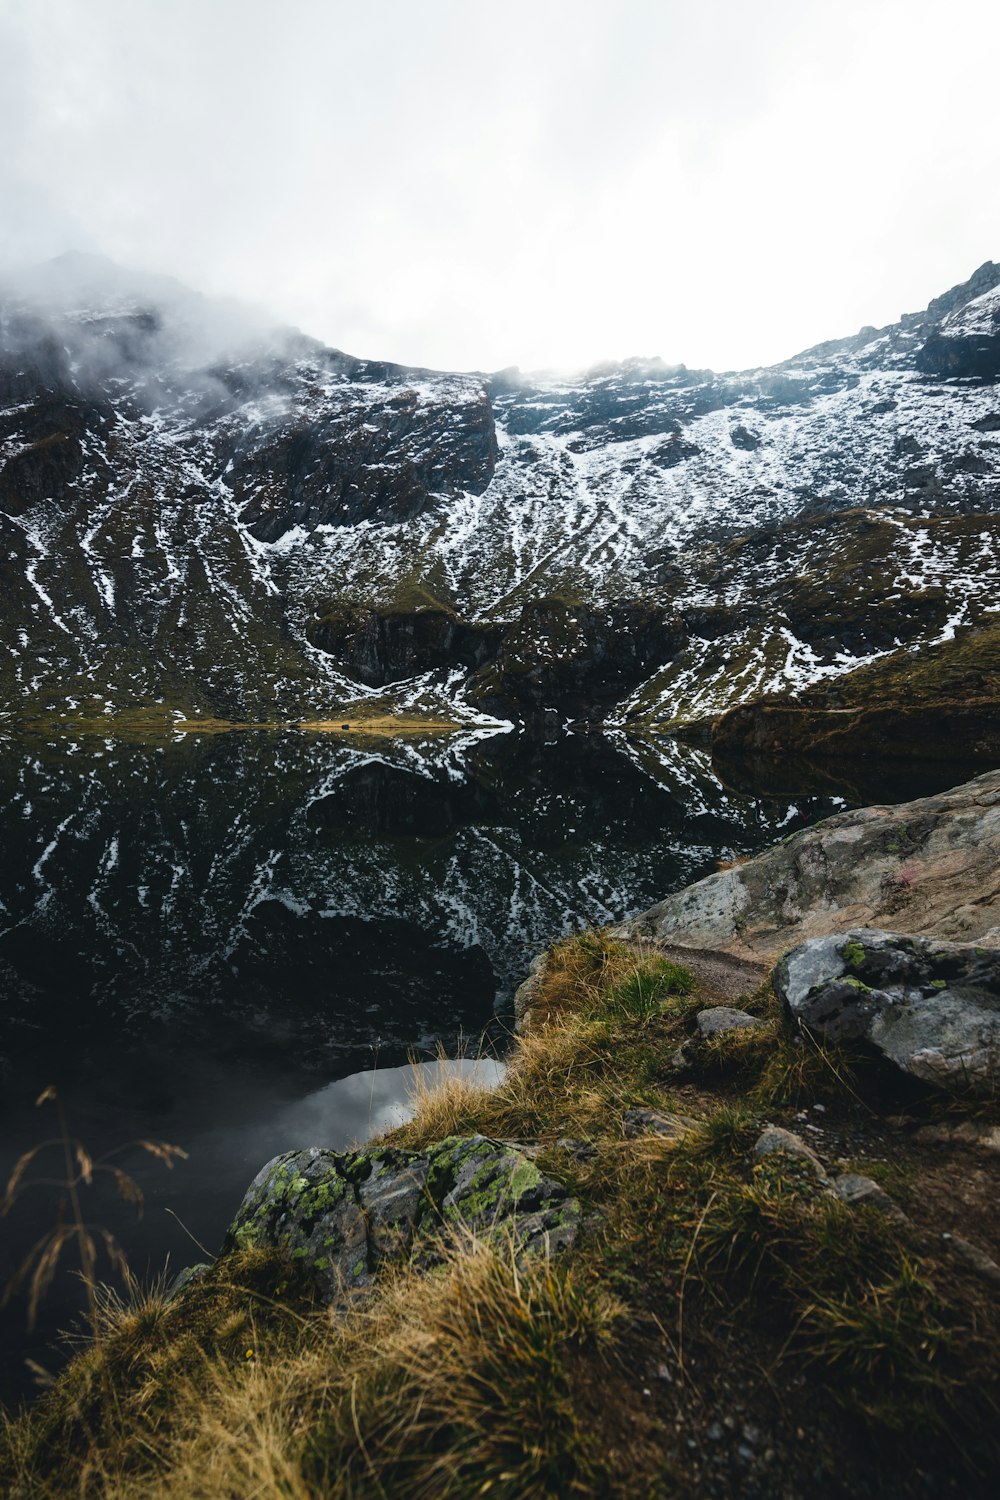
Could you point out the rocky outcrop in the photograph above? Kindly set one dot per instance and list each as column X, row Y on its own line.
column 853, row 1189
column 375, row 454
column 930, row 867
column 966, row 345
column 379, row 646
column 931, row 1008
column 343, row 1215
column 560, row 654
column 898, row 731
column 777, row 1141
column 569, row 656
column 719, row 1020
column 939, row 702
column 710, row 1024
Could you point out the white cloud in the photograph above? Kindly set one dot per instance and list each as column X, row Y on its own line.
column 548, row 183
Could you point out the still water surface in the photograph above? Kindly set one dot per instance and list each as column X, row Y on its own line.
column 201, row 940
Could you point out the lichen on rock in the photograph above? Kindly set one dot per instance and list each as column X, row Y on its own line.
column 344, row 1214
column 931, row 1008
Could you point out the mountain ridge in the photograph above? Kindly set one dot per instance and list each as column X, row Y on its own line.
column 215, row 538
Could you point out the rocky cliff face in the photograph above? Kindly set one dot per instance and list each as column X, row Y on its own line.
column 234, row 520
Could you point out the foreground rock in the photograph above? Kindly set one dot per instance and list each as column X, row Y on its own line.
column 345, row 1213
column 930, row 867
column 931, row 1008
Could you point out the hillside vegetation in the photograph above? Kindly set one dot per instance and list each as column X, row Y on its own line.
column 724, row 1324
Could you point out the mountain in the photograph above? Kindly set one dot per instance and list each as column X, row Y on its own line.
column 203, row 512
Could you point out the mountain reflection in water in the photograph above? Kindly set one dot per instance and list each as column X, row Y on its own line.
column 288, row 894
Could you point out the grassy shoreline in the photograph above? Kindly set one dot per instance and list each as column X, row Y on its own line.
column 721, row 1326
column 356, row 721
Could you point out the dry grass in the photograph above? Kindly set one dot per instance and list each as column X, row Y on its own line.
column 379, row 726
column 70, row 1229
column 483, row 1378
column 602, row 1014
column 161, row 725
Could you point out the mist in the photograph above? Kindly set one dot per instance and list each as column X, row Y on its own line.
column 443, row 185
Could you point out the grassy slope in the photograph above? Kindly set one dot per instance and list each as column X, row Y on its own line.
column 722, row 1327
column 921, row 702
column 966, row 668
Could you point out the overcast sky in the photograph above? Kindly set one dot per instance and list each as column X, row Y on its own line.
column 466, row 185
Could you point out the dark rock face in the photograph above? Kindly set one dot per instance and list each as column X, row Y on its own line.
column 571, row 657
column 377, row 455
column 973, row 357
column 966, row 344
column 741, row 437
column 982, row 280
column 931, row 1008
column 51, row 465
column 342, row 1215
column 558, row 655
column 381, row 646
column 47, row 420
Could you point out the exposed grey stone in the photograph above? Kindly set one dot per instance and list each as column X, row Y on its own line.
column 930, row 1007
column 972, row 1256
column 853, row 1188
column 344, row 1213
column 525, row 994
column 965, row 1133
column 579, row 1150
column 184, row 1279
column 684, row 1057
column 636, row 1122
column 934, row 864
column 722, row 1018
column 775, row 1140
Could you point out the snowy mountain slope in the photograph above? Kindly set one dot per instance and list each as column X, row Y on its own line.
column 225, row 518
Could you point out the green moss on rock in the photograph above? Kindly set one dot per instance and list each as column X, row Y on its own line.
column 343, row 1214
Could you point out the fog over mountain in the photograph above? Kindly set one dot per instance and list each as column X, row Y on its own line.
column 719, row 183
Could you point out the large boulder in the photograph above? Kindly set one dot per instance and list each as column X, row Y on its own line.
column 343, row 1214
column 931, row 867
column 931, row 1008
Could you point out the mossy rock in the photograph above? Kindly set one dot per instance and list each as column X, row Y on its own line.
column 343, row 1214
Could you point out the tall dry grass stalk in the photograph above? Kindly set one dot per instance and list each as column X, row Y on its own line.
column 71, row 1228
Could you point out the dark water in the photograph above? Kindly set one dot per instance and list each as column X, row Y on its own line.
column 198, row 938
